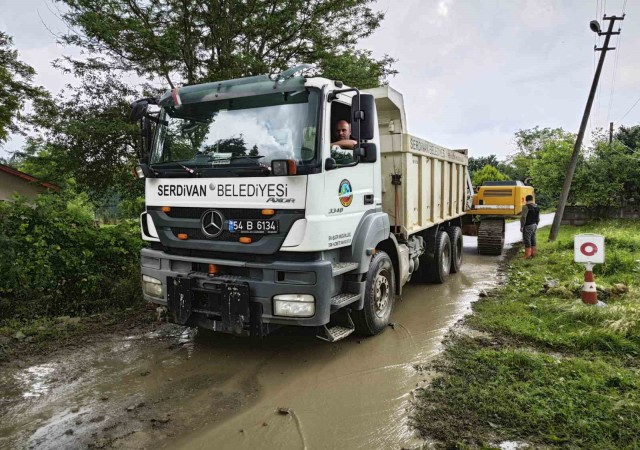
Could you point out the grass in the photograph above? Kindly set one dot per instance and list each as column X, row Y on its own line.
column 546, row 369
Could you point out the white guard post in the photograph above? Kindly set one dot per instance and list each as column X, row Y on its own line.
column 588, row 249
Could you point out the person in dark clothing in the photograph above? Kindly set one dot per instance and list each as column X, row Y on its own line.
column 343, row 135
column 529, row 220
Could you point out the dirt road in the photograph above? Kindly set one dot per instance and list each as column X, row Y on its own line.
column 174, row 388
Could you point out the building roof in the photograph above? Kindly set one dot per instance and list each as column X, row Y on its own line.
column 27, row 177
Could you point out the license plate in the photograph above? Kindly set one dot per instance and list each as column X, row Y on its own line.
column 253, row 226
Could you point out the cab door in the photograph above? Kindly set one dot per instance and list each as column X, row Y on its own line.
column 348, row 187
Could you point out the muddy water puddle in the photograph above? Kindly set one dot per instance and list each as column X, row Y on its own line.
column 175, row 388
column 354, row 393
column 127, row 393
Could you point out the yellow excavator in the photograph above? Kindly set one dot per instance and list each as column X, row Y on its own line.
column 492, row 204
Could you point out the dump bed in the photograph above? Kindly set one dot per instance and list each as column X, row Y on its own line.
column 432, row 179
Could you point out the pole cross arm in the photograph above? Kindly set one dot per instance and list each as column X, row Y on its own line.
column 603, row 48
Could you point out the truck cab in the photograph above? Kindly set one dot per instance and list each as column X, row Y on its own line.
column 255, row 220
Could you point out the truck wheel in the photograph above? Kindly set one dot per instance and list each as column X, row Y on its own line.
column 455, row 236
column 379, row 294
column 441, row 266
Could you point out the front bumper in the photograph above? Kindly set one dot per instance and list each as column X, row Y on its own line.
column 239, row 300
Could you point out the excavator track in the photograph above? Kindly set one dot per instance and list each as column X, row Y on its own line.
column 491, row 236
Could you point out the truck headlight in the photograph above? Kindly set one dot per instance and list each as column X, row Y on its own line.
column 294, row 305
column 152, row 286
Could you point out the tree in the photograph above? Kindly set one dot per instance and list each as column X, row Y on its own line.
column 487, row 173
column 549, row 168
column 531, row 145
column 87, row 136
column 193, row 42
column 531, row 142
column 16, row 87
column 476, row 164
column 610, row 175
column 629, row 137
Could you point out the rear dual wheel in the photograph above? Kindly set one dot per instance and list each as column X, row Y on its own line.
column 455, row 236
column 441, row 265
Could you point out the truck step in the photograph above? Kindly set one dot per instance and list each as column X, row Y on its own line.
column 336, row 333
column 343, row 267
column 343, row 299
column 340, row 327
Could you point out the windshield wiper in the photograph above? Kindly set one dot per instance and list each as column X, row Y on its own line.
column 191, row 170
column 188, row 169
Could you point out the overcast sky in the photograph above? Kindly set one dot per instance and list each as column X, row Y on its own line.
column 472, row 72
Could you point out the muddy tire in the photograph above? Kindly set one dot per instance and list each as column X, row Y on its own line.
column 455, row 236
column 440, row 267
column 379, row 294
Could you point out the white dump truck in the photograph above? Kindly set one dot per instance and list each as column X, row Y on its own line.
column 256, row 219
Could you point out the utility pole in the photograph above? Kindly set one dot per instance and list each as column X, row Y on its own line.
column 610, row 132
column 595, row 27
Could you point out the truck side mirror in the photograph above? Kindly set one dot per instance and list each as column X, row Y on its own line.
column 138, row 110
column 363, row 113
column 368, row 152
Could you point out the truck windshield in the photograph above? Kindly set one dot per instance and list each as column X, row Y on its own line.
column 240, row 132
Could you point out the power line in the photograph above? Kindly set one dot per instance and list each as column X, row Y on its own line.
column 613, row 75
column 633, row 106
column 624, row 7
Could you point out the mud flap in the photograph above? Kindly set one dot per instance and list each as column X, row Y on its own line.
column 179, row 298
column 235, row 307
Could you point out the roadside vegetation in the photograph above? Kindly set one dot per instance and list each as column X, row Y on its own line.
column 535, row 365
column 606, row 174
column 58, row 266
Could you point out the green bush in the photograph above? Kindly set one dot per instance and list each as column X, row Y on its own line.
column 55, row 261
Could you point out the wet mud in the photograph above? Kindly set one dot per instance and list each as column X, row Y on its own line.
column 178, row 388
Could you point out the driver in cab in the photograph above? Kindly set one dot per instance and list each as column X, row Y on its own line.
column 343, row 136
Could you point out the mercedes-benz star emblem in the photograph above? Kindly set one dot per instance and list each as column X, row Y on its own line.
column 212, row 223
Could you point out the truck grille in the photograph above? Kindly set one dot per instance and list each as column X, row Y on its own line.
column 196, row 233
column 229, row 213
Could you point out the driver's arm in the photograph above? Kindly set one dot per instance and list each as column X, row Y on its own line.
column 345, row 143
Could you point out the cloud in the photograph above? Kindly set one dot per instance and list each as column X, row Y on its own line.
column 443, row 8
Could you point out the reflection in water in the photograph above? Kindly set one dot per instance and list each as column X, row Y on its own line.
column 36, row 379
column 187, row 340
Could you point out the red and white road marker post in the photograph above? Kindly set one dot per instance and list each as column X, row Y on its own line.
column 589, row 294
column 588, row 249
